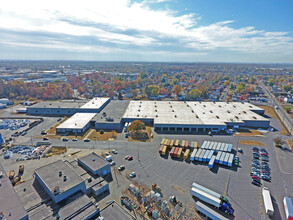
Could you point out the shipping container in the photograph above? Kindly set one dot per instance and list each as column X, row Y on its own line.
column 164, row 150
column 230, row 162
column 161, row 149
column 176, row 151
column 201, row 155
column 195, row 145
column 226, row 147
column 218, row 157
column 212, row 145
column 176, row 143
column 207, row 145
column 204, row 144
column 179, row 152
column 267, row 201
column 212, row 162
column 186, row 154
column 210, row 155
column 204, row 158
column 218, row 147
column 183, row 143
column 288, row 208
column 171, row 143
column 226, row 159
column 186, row 144
column 166, row 141
column 191, row 145
column 172, row 151
column 163, row 141
column 222, row 158
column 215, row 146
column 198, row 153
column 230, row 146
column 192, row 157
column 222, row 147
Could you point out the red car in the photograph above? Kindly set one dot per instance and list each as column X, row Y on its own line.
column 130, row 158
column 264, row 154
column 255, row 178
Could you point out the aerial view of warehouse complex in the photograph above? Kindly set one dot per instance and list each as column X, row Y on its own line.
column 164, row 116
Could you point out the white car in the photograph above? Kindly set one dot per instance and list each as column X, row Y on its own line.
column 132, row 175
column 112, row 163
column 114, row 151
column 65, row 139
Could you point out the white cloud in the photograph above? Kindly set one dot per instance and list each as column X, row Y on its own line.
column 125, row 24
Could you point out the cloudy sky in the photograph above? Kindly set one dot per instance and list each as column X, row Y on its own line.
column 147, row 30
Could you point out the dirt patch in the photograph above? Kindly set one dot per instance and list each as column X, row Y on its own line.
column 178, row 189
column 246, row 132
column 148, row 130
column 96, row 135
column 290, row 143
column 269, row 111
column 57, row 150
column 290, row 113
column 250, row 142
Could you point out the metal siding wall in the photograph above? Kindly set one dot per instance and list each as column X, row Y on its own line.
column 45, row 187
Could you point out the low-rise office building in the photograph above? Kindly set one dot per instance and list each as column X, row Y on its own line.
column 59, row 180
column 95, row 164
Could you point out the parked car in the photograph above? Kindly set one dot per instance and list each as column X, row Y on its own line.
column 132, row 175
column 86, row 140
column 264, row 163
column 126, row 135
column 255, row 177
column 59, row 119
column 112, row 163
column 255, row 174
column 256, row 157
column 122, row 167
column 255, row 160
column 114, row 151
column 64, row 139
column 263, row 150
column 74, row 139
column 255, row 169
column 255, row 149
column 130, row 158
column 265, row 159
column 265, row 167
column 126, row 157
column 265, row 177
column 255, row 166
column 45, row 138
column 23, row 133
column 256, row 183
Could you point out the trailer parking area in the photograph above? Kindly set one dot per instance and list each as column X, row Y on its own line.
column 175, row 176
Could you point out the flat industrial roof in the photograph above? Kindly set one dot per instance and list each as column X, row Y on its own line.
column 50, row 176
column 194, row 113
column 77, row 121
column 60, row 104
column 93, row 161
column 114, row 110
column 75, row 205
column 11, row 205
column 95, row 103
column 115, row 211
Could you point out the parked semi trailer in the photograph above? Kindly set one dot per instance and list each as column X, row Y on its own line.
column 192, row 156
column 288, row 208
column 208, row 211
column 267, row 201
column 186, row 153
column 211, row 199
column 212, row 162
column 211, row 192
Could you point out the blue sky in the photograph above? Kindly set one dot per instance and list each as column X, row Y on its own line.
column 148, row 30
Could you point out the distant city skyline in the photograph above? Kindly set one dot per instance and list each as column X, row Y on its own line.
column 148, row 30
